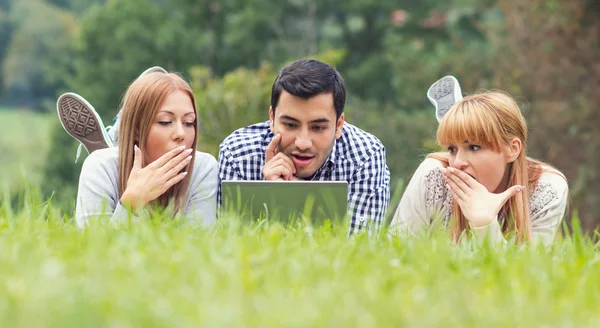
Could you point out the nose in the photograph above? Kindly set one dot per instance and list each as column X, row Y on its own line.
column 303, row 140
column 179, row 133
column 460, row 161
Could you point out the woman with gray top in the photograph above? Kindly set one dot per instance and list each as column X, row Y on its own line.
column 155, row 166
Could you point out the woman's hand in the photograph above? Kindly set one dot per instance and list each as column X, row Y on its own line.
column 147, row 183
column 478, row 205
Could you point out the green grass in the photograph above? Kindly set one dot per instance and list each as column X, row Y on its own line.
column 23, row 146
column 160, row 275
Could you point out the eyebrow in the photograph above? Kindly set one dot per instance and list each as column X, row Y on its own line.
column 318, row 120
column 169, row 112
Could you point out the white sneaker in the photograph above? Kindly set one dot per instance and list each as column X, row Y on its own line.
column 113, row 130
column 79, row 118
column 444, row 93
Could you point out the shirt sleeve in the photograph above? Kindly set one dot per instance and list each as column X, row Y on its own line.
column 202, row 205
column 97, row 194
column 369, row 193
column 413, row 214
column 228, row 170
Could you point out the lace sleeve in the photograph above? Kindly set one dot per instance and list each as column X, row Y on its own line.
column 547, row 207
column 424, row 199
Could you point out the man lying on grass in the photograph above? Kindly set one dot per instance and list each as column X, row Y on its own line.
column 484, row 184
column 155, row 166
column 307, row 138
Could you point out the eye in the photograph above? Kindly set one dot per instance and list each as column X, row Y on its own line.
column 190, row 124
column 318, row 128
column 164, row 122
column 289, row 125
column 474, row 147
column 451, row 149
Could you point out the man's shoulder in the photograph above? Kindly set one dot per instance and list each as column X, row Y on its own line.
column 246, row 141
column 359, row 145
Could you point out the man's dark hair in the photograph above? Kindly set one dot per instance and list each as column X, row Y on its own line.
column 309, row 78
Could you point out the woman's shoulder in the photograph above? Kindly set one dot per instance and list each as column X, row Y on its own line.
column 429, row 167
column 204, row 161
column 553, row 178
column 205, row 167
column 551, row 188
column 106, row 159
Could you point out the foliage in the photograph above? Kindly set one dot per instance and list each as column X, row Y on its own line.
column 240, row 98
column 550, row 58
column 41, row 35
column 158, row 274
column 389, row 52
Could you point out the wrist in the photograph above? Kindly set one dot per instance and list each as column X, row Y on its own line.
column 131, row 202
column 483, row 223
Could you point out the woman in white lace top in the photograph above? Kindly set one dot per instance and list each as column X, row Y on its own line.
column 484, row 186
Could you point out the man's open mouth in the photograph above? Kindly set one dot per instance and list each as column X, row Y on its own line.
column 302, row 160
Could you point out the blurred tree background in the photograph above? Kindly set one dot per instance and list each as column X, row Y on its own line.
column 544, row 52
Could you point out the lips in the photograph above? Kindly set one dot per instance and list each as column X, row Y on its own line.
column 302, row 160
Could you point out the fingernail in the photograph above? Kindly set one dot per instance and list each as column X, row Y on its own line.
column 135, row 147
column 181, row 148
column 520, row 188
column 450, row 169
column 189, row 158
column 189, row 151
column 448, row 186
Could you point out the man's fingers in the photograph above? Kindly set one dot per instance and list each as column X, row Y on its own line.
column 272, row 148
column 277, row 172
column 283, row 159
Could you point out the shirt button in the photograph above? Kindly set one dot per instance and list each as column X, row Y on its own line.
column 361, row 219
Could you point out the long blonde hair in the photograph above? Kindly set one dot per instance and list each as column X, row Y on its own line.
column 493, row 119
column 141, row 103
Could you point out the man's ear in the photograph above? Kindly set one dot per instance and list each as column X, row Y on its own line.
column 514, row 149
column 271, row 118
column 338, row 126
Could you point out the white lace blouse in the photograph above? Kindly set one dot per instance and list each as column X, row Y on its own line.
column 426, row 197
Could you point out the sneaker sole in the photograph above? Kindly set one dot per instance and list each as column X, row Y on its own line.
column 82, row 122
column 154, row 69
column 444, row 93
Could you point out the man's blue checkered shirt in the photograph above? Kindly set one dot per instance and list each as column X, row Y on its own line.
column 357, row 157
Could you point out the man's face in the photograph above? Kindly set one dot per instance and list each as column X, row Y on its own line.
column 308, row 129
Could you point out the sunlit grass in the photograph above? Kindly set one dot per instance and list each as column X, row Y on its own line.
column 159, row 274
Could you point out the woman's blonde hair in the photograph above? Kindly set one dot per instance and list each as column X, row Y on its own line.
column 493, row 119
column 141, row 103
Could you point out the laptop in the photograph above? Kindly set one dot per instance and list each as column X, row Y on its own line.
column 286, row 201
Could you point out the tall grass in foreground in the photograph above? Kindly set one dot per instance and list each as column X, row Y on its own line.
column 159, row 274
